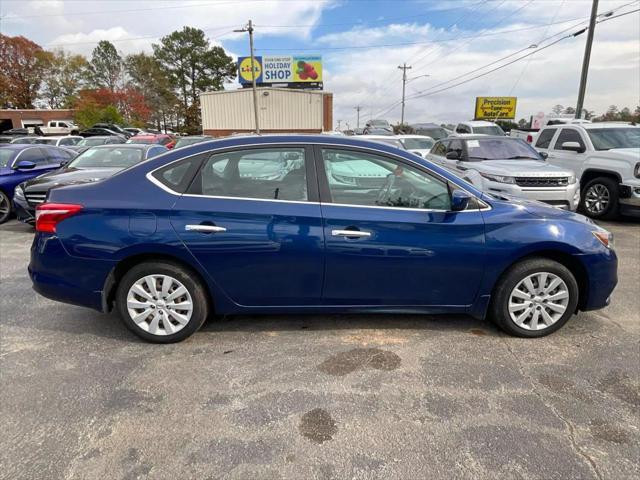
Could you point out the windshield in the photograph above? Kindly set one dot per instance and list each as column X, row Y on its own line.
column 436, row 133
column 6, row 154
column 391, row 141
column 379, row 123
column 142, row 140
column 90, row 142
column 417, row 143
column 500, row 149
column 118, row 157
column 608, row 138
column 492, row 130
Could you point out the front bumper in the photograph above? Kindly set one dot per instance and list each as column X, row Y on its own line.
column 567, row 197
column 24, row 211
column 629, row 198
column 602, row 274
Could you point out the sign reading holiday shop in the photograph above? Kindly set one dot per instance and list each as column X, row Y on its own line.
column 286, row 70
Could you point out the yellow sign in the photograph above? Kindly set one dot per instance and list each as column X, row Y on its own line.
column 245, row 69
column 495, row 108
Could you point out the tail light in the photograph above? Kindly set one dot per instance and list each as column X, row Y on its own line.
column 49, row 215
column 529, row 138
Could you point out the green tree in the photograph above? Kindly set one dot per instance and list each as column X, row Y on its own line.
column 63, row 79
column 557, row 109
column 106, row 68
column 193, row 66
column 570, row 111
column 146, row 75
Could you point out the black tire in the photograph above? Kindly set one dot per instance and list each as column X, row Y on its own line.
column 187, row 278
column 5, row 207
column 611, row 187
column 499, row 308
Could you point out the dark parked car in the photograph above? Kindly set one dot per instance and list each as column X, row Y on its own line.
column 377, row 131
column 19, row 163
column 430, row 130
column 99, row 132
column 191, row 140
column 303, row 224
column 114, row 128
column 93, row 165
column 155, row 139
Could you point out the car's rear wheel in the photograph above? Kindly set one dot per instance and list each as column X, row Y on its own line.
column 5, row 207
column 534, row 298
column 161, row 302
column 600, row 198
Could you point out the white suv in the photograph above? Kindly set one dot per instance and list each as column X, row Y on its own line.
column 606, row 159
column 477, row 127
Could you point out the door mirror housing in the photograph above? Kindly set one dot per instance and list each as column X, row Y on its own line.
column 459, row 200
column 544, row 155
column 65, row 162
column 452, row 155
column 572, row 147
column 25, row 165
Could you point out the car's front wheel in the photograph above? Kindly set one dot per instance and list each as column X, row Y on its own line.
column 534, row 298
column 5, row 207
column 161, row 302
column 600, row 198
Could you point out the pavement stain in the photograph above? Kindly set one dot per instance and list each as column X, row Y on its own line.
column 359, row 358
column 618, row 384
column 318, row 426
column 478, row 332
column 609, row 432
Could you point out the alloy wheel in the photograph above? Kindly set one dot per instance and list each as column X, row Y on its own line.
column 159, row 304
column 5, row 207
column 597, row 199
column 538, row 301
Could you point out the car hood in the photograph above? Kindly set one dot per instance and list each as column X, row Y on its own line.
column 539, row 209
column 521, row 168
column 69, row 176
column 624, row 153
column 6, row 171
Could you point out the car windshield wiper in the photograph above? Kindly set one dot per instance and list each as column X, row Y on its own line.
column 521, row 157
column 481, row 158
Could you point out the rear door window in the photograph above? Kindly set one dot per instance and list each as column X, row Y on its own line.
column 545, row 137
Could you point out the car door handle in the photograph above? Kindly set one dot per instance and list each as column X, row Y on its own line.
column 204, row 228
column 350, row 233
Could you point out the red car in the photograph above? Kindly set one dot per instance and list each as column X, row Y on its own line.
column 160, row 139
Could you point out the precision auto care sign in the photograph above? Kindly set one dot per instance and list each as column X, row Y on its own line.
column 495, row 108
column 283, row 69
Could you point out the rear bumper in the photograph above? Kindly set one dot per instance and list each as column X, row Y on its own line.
column 59, row 276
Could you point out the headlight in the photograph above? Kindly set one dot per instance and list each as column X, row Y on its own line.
column 572, row 179
column 604, row 237
column 499, row 178
column 636, row 171
column 18, row 193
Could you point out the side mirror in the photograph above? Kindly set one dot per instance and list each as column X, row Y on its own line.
column 544, row 155
column 459, row 200
column 452, row 155
column 25, row 165
column 64, row 163
column 572, row 147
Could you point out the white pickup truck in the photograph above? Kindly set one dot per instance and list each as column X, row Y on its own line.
column 530, row 135
column 606, row 160
column 59, row 127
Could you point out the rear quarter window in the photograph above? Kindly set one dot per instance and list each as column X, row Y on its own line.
column 178, row 175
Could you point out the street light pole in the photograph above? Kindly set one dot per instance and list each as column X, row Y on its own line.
column 586, row 59
column 249, row 28
column 404, row 69
column 358, row 108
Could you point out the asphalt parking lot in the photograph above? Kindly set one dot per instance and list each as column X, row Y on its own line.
column 324, row 397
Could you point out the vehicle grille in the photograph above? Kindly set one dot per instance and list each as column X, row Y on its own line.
column 34, row 199
column 542, row 181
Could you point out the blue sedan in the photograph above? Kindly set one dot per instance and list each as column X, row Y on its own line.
column 21, row 162
column 302, row 224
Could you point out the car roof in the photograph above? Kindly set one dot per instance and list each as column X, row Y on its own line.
column 21, row 146
column 426, row 125
column 58, row 137
column 590, row 126
column 412, row 135
column 383, row 137
column 479, row 123
column 135, row 146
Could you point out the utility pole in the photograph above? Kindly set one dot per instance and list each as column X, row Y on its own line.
column 249, row 28
column 404, row 69
column 339, row 121
column 587, row 57
column 358, row 108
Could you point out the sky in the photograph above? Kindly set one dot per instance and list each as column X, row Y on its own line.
column 362, row 42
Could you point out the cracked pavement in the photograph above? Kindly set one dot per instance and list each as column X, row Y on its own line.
column 317, row 397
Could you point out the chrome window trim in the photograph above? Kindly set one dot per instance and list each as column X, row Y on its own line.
column 149, row 175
